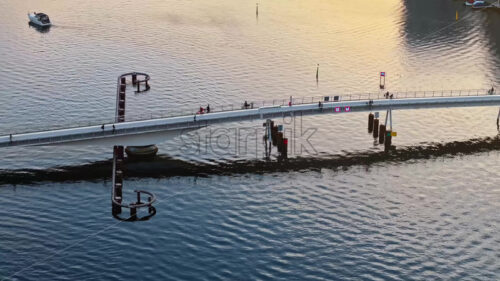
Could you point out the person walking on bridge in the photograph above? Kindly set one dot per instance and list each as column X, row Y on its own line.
column 208, row 108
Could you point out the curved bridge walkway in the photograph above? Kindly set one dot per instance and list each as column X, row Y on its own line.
column 119, row 132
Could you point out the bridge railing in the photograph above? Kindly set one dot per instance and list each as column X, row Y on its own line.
column 179, row 111
column 305, row 100
column 312, row 100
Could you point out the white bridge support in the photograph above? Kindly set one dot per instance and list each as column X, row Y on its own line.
column 145, row 132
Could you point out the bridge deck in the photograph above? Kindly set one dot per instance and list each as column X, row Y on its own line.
column 346, row 104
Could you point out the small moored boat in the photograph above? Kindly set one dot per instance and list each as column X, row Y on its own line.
column 146, row 151
column 480, row 5
column 475, row 3
column 39, row 19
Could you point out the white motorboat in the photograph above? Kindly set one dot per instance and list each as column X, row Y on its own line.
column 472, row 2
column 480, row 5
column 39, row 19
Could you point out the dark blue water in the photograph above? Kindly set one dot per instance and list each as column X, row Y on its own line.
column 360, row 223
column 340, row 209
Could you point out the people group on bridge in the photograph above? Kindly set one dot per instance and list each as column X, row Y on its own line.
column 204, row 110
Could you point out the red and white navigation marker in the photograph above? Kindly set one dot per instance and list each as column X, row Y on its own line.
column 347, row 108
column 337, row 109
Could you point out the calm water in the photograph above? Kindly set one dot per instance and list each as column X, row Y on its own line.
column 340, row 209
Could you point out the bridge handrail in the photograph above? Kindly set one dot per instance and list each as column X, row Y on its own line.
column 253, row 104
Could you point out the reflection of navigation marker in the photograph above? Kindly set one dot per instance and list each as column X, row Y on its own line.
column 257, row 9
column 382, row 83
column 456, row 15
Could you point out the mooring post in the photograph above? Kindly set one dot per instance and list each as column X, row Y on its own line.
column 388, row 140
column 381, row 134
column 285, row 148
column 375, row 128
column 370, row 122
column 279, row 142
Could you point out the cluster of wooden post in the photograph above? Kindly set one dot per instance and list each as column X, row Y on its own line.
column 379, row 131
column 279, row 140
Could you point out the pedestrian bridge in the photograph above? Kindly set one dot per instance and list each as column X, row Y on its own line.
column 153, row 130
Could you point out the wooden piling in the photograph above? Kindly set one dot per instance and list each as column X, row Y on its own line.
column 285, row 148
column 381, row 134
column 370, row 122
column 388, row 140
column 375, row 128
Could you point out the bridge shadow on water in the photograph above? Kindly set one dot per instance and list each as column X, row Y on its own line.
column 164, row 166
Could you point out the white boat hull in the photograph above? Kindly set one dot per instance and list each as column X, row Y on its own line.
column 34, row 20
column 475, row 3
